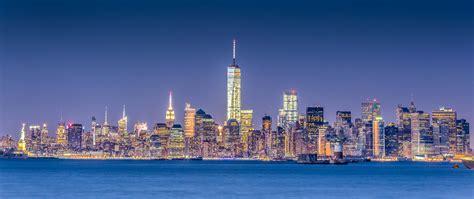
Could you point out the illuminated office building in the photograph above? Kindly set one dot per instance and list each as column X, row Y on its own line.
column 391, row 140
column 34, row 138
column 21, row 141
column 370, row 110
column 449, row 116
column 441, row 137
column 267, row 132
column 233, row 88
column 378, row 137
column 420, row 133
column 94, row 130
column 105, row 130
column 123, row 123
column 246, row 126
column 170, row 113
column 463, row 143
column 176, row 142
column 140, row 129
column 61, row 136
column 163, row 132
column 288, row 115
column 232, row 138
column 343, row 118
column 189, row 120
column 44, row 135
column 314, row 120
column 74, row 136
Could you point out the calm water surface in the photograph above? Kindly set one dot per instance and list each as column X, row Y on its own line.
column 43, row 178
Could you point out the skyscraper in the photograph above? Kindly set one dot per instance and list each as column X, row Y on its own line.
column 378, row 137
column 189, row 120
column 35, row 138
column 176, row 146
column 233, row 88
column 105, row 127
column 170, row 113
column 61, row 136
column 441, row 137
column 232, row 138
column 123, row 123
column 74, row 136
column 420, row 127
column 314, row 120
column 267, row 132
column 370, row 110
column 44, row 135
column 21, row 141
column 449, row 116
column 288, row 115
column 245, row 127
column 391, row 140
column 343, row 118
column 463, row 143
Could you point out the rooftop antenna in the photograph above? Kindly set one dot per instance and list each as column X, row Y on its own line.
column 171, row 100
column 233, row 51
column 123, row 114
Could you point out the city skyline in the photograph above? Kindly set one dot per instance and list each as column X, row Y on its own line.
column 272, row 64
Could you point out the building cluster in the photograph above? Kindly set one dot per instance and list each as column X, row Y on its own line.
column 414, row 135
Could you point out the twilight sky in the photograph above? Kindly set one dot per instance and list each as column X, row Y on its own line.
column 75, row 57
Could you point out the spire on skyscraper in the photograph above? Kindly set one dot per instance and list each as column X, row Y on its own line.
column 170, row 112
column 233, row 51
column 123, row 113
column 412, row 108
column 171, row 101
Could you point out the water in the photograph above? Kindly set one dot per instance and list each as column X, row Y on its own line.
column 52, row 178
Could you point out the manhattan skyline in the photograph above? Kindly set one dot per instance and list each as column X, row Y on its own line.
column 56, row 65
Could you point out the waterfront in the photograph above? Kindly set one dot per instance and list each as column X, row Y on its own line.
column 55, row 178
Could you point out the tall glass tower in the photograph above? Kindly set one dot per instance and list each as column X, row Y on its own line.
column 233, row 88
column 289, row 113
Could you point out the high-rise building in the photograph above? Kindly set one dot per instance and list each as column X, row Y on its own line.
column 170, row 113
column 123, row 123
column 74, row 136
column 246, row 125
column 449, row 116
column 440, row 137
column 140, row 129
column 176, row 142
column 267, row 133
column 233, row 88
column 61, row 136
column 21, row 141
column 288, row 115
column 35, row 138
column 343, row 118
column 370, row 110
column 105, row 130
column 44, row 135
column 163, row 132
column 189, row 120
column 378, row 137
column 420, row 134
column 391, row 140
column 463, row 143
column 94, row 130
column 232, row 138
column 314, row 119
